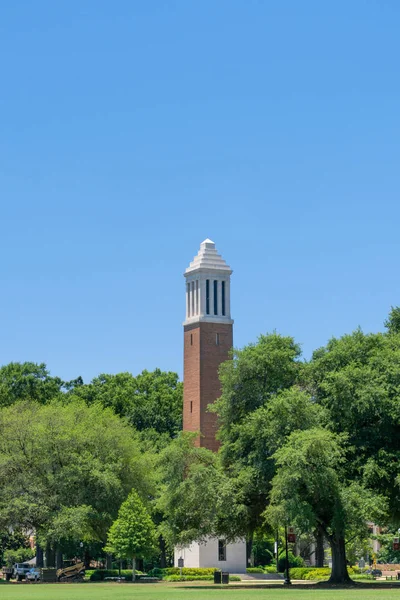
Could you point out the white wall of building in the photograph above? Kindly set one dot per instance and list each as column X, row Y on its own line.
column 205, row 555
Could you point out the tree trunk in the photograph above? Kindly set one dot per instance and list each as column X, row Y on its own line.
column 50, row 558
column 109, row 561
column 87, row 558
column 163, row 557
column 339, row 572
column 133, row 569
column 249, row 550
column 39, row 556
column 319, row 548
column 59, row 559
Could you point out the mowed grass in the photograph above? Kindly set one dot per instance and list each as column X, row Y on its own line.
column 107, row 591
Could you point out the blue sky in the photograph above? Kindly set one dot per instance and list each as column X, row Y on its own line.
column 132, row 130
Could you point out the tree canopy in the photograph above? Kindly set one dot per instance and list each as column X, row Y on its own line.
column 65, row 469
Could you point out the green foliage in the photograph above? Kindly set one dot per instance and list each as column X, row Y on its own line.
column 190, row 492
column 294, row 561
column 197, row 578
column 101, row 574
column 251, row 422
column 254, row 374
column 188, row 578
column 255, row 570
column 187, row 571
column 392, row 323
column 317, row 574
column 65, row 469
column 151, row 401
column 386, row 553
column 310, row 489
column 132, row 535
column 301, row 572
column 357, row 379
column 28, row 381
column 270, row 569
column 18, row 555
column 12, row 540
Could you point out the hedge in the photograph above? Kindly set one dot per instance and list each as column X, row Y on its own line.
column 197, row 577
column 101, row 574
column 186, row 572
column 315, row 573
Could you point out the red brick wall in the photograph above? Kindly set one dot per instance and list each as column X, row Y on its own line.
column 201, row 383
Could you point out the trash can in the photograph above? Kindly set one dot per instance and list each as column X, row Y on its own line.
column 217, row 576
column 225, row 577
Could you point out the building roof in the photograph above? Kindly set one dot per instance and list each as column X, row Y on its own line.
column 208, row 259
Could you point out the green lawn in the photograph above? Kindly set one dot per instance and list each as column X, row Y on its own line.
column 107, row 591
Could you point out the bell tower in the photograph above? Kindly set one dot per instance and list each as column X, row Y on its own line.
column 208, row 338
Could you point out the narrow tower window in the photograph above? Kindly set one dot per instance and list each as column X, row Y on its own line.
column 191, row 339
column 221, row 550
column 217, row 339
column 197, row 297
column 193, row 313
column 208, row 296
column 223, row 298
column 215, row 297
column 191, row 406
column 188, row 298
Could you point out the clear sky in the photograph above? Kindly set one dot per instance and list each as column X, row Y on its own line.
column 132, row 130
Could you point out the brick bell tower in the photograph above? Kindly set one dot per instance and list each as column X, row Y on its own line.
column 208, row 338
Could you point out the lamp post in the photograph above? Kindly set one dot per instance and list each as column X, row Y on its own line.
column 287, row 575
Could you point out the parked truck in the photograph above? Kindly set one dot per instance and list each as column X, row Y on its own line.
column 18, row 571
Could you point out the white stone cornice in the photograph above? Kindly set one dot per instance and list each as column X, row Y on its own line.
column 208, row 319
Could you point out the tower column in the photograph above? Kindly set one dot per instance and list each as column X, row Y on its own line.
column 211, row 296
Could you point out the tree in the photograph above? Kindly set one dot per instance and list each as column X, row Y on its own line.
column 310, row 490
column 65, row 469
column 392, row 323
column 28, row 381
column 151, row 401
column 188, row 491
column 356, row 378
column 132, row 535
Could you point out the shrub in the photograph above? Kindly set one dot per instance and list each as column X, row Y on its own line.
column 294, row 561
column 318, row 574
column 186, row 572
column 197, row 577
column 101, row 574
column 300, row 572
column 270, row 569
column 255, row 570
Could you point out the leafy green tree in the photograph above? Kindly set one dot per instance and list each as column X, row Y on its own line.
column 356, row 378
column 66, row 469
column 310, row 490
column 256, row 411
column 12, row 541
column 151, row 401
column 132, row 535
column 28, row 381
column 392, row 323
column 189, row 491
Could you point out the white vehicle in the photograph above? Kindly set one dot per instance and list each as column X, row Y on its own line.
column 33, row 574
column 20, row 570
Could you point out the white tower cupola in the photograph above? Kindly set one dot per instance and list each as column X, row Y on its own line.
column 208, row 282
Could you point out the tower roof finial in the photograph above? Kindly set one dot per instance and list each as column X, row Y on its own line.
column 208, row 259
